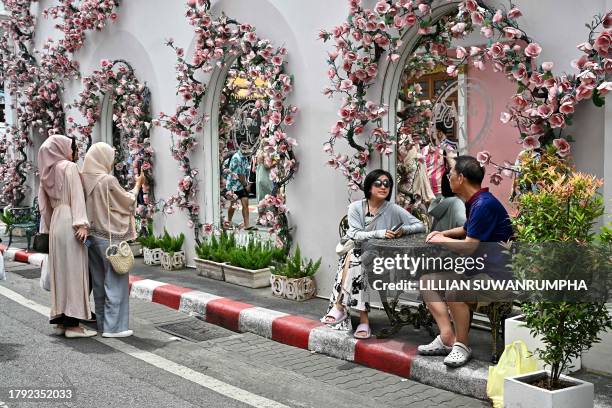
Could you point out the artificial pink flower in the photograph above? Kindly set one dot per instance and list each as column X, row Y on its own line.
column 505, row 117
column 547, row 66
column 533, row 50
column 483, row 157
column 557, row 120
column 498, row 17
column 562, row 146
column 531, row 142
column 604, row 88
column 514, row 13
column 496, row 179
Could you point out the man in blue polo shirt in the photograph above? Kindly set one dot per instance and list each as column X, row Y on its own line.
column 487, row 221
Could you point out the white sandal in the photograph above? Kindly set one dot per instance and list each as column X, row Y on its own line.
column 435, row 348
column 459, row 356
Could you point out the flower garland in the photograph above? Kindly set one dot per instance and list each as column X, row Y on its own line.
column 77, row 20
column 541, row 108
column 218, row 41
column 35, row 94
column 131, row 116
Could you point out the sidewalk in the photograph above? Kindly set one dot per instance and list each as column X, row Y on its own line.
column 296, row 324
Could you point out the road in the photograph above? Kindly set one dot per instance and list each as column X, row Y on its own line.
column 157, row 368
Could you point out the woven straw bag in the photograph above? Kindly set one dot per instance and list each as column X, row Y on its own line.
column 120, row 256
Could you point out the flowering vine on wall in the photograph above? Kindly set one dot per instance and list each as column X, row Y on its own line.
column 541, row 109
column 219, row 41
column 131, row 115
column 35, row 79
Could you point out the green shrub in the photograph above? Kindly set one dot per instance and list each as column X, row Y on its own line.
column 296, row 267
column 171, row 244
column 217, row 250
column 149, row 241
column 562, row 208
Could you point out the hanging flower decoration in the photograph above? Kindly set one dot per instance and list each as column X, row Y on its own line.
column 219, row 40
column 88, row 15
column 130, row 101
column 541, row 109
column 34, row 89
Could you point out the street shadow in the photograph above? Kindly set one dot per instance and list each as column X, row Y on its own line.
column 9, row 351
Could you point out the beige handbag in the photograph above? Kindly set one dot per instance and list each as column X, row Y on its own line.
column 120, row 256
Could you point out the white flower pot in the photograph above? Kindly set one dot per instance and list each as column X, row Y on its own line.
column 515, row 329
column 278, row 283
column 152, row 256
column 136, row 248
column 210, row 269
column 259, row 278
column 300, row 289
column 519, row 394
column 173, row 260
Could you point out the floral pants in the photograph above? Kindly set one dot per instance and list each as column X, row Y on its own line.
column 354, row 293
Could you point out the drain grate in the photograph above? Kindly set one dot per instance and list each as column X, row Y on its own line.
column 194, row 330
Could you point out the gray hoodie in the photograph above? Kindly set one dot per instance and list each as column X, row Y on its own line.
column 447, row 212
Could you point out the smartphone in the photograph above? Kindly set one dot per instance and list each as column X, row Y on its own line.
column 397, row 227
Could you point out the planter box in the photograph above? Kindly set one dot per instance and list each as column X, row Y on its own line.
column 278, row 283
column 259, row 278
column 515, row 330
column 152, row 256
column 519, row 394
column 210, row 269
column 136, row 248
column 300, row 289
column 171, row 261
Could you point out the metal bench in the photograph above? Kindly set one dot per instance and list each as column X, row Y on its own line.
column 27, row 219
column 414, row 312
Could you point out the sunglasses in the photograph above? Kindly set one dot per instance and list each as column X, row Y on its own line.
column 382, row 183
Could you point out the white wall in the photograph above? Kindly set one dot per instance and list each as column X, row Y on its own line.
column 317, row 197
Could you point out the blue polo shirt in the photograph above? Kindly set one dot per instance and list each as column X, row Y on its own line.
column 488, row 221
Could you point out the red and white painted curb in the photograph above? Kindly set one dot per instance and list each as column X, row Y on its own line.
column 392, row 356
column 21, row 255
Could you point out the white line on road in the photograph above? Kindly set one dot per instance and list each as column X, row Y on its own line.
column 162, row 363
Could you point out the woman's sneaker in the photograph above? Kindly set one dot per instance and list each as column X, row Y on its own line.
column 126, row 333
column 435, row 348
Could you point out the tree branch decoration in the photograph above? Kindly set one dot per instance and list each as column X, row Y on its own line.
column 131, row 115
column 219, row 41
column 541, row 109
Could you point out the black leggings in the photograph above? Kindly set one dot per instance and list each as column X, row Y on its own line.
column 66, row 321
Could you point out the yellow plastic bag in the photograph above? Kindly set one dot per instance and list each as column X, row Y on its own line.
column 515, row 360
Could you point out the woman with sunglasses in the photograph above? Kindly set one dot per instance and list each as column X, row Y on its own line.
column 372, row 217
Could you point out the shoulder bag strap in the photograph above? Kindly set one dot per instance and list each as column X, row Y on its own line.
column 110, row 239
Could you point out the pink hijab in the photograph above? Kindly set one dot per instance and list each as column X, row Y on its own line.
column 55, row 149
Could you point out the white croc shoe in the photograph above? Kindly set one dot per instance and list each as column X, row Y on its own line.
column 126, row 333
column 435, row 348
column 71, row 334
column 459, row 356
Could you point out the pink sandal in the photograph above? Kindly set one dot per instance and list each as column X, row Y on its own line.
column 338, row 315
column 363, row 328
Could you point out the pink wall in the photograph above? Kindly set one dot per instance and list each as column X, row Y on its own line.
column 488, row 94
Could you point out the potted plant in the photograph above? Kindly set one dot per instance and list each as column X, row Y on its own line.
column 294, row 278
column 151, row 249
column 249, row 265
column 173, row 257
column 552, row 216
column 213, row 254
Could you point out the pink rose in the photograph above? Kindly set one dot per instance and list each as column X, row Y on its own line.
column 458, row 28
column 547, row 66
column 583, row 92
column 604, row 88
column 411, row 19
column 545, row 111
column 424, row 8
column 487, row 32
column 498, row 17
column 562, row 146
column 483, row 157
column 512, row 32
column 452, row 70
column 557, row 121
column 602, row 43
column 346, row 84
column 505, row 117
column 382, row 7
column 497, row 50
column 533, row 50
column 461, row 52
column 477, row 18
column 471, row 5
column 514, row 13
column 496, row 179
column 531, row 142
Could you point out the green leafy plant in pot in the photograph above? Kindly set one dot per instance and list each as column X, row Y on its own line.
column 296, row 267
column 562, row 210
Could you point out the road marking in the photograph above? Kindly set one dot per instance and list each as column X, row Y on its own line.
column 160, row 362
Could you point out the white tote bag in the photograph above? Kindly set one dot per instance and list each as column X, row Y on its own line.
column 2, row 272
column 45, row 279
